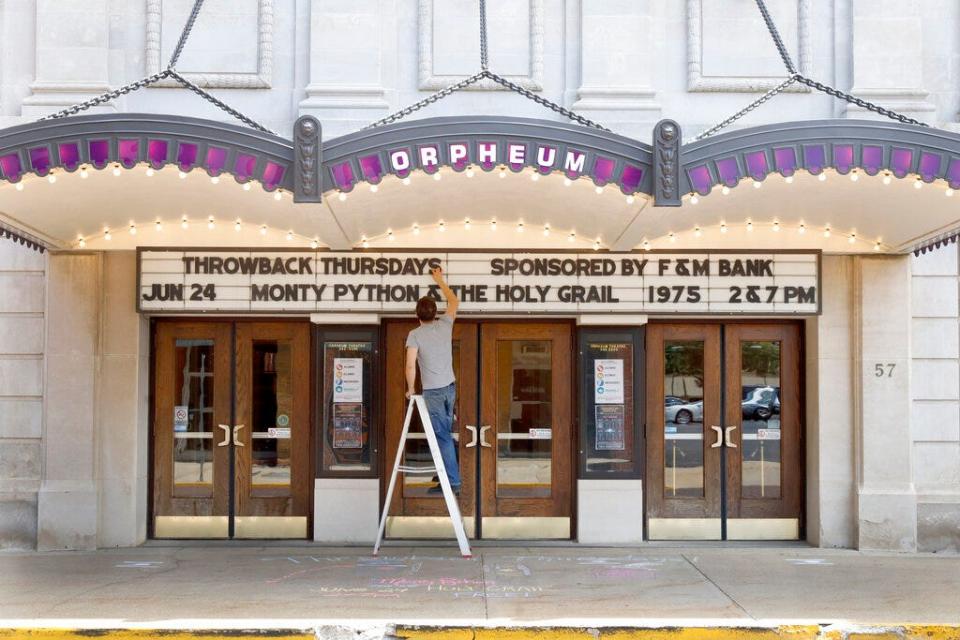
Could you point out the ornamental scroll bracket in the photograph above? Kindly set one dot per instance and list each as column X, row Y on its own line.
column 307, row 156
column 666, row 164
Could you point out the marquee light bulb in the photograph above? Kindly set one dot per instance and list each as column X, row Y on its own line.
column 210, row 223
column 918, row 183
column 853, row 237
column 493, row 225
column 183, row 223
column 788, row 179
column 876, row 246
column 826, row 231
column 822, row 177
column 725, row 190
column 84, row 173
column 567, row 182
column 854, row 176
column 437, row 176
column 697, row 232
column 19, row 186
column 520, row 227
column 776, row 226
column 546, row 230
column 802, row 229
column 596, row 244
column 278, row 195
column 237, row 226
column 214, row 179
column 503, row 172
column 572, row 236
column 106, row 234
column 887, row 178
column 749, row 225
column 470, row 171
column 630, row 199
column 466, row 224
column 365, row 243
column 263, row 229
column 757, row 184
column 948, row 192
column 150, row 172
column 246, row 186
column 535, row 175
column 342, row 196
column 157, row 226
column 133, row 229
column 673, row 237
column 314, row 243
column 390, row 235
column 374, row 188
column 599, row 190
column 81, row 242
column 646, row 245
column 441, row 227
column 723, row 227
column 181, row 174
column 405, row 182
column 51, row 178
column 694, row 199
column 289, row 236
column 116, row 169
column 416, row 229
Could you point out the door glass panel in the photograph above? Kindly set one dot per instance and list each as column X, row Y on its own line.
column 607, row 442
column 524, row 418
column 193, row 413
column 760, row 405
column 683, row 418
column 272, row 412
column 417, row 452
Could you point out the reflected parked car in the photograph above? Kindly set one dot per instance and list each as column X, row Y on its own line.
column 760, row 403
column 685, row 413
column 672, row 401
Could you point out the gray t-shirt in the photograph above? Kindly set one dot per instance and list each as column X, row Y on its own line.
column 434, row 343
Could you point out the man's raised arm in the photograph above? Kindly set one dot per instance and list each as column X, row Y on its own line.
column 453, row 302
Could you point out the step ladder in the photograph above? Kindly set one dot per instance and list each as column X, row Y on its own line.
column 452, row 507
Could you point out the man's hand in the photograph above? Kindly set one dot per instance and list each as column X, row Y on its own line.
column 453, row 303
column 408, row 393
column 437, row 274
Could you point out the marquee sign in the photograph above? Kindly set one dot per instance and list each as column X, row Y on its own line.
column 521, row 282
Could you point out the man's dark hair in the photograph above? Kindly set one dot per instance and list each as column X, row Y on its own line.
column 426, row 309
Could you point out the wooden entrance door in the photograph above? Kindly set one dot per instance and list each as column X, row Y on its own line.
column 231, row 430
column 735, row 478
column 513, row 425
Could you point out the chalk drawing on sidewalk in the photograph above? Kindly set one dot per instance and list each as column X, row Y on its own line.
column 803, row 562
column 139, row 564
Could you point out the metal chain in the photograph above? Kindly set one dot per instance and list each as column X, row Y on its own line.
column 439, row 95
column 775, row 34
column 108, row 96
column 543, row 101
column 860, row 102
column 750, row 107
column 187, row 28
column 484, row 61
column 215, row 101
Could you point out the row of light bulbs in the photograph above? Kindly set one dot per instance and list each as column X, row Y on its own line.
column 185, row 224
column 150, row 172
column 441, row 226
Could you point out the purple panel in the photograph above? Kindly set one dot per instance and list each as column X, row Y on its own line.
column 872, row 160
column 757, row 165
column 603, row 170
column 929, row 166
column 244, row 166
column 186, row 155
column 728, row 171
column 901, row 161
column 272, row 175
column 814, row 158
column 953, row 173
column 157, row 152
column 343, row 176
column 40, row 160
column 11, row 167
column 843, row 157
column 69, row 154
column 371, row 168
column 128, row 152
column 630, row 178
column 701, row 179
column 99, row 153
column 786, row 160
column 216, row 159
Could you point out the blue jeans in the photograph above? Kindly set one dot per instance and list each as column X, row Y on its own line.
column 440, row 407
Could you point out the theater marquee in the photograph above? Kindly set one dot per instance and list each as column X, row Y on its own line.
column 279, row 281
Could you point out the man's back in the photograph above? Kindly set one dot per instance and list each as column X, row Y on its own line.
column 434, row 344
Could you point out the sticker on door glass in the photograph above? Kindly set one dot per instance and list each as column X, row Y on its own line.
column 608, row 381
column 541, row 434
column 280, row 433
column 348, row 379
column 609, row 421
column 347, row 425
column 768, row 434
column 181, row 415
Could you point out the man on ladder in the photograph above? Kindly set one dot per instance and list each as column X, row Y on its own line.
column 431, row 346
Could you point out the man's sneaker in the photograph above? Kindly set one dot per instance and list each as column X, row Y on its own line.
column 437, row 489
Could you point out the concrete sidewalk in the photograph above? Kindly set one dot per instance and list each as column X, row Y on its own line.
column 309, row 587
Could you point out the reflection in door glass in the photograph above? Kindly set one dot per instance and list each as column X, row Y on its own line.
column 524, row 418
column 193, row 413
column 760, row 405
column 683, row 418
column 417, row 452
column 272, row 412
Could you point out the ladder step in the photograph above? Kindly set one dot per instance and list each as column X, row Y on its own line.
column 409, row 469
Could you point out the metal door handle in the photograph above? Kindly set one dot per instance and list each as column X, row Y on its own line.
column 483, row 440
column 726, row 437
column 473, row 434
column 236, row 428
column 226, row 435
column 719, row 442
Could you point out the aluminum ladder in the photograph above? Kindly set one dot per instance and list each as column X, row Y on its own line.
column 452, row 507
